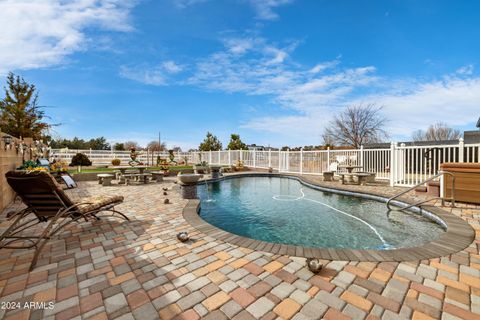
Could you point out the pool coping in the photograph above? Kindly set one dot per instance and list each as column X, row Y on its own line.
column 458, row 235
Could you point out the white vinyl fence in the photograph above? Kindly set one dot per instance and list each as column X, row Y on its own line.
column 401, row 165
column 105, row 157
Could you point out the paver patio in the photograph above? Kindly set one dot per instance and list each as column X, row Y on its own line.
column 113, row 269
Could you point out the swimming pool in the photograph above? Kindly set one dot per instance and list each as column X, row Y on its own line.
column 283, row 210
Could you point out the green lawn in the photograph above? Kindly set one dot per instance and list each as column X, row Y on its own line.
column 90, row 170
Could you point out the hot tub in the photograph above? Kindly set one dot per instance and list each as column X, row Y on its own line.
column 467, row 181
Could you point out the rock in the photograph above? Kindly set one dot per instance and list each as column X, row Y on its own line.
column 166, row 201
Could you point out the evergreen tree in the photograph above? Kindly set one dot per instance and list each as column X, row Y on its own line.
column 98, row 144
column 20, row 116
column 211, row 143
column 236, row 143
column 119, row 146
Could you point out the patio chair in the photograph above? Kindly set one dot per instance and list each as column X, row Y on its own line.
column 49, row 204
column 329, row 175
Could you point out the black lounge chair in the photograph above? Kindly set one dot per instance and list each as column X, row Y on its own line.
column 49, row 204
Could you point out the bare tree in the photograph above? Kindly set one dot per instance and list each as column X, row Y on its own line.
column 155, row 146
column 131, row 144
column 327, row 140
column 437, row 132
column 357, row 125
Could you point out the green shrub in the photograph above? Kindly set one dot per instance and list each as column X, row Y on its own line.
column 80, row 159
column 29, row 164
column 116, row 162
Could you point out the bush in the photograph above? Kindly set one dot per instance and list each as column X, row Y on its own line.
column 28, row 165
column 80, row 159
column 116, row 162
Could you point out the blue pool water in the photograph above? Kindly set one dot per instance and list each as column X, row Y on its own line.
column 282, row 210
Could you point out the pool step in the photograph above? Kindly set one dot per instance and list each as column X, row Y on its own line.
column 432, row 189
column 421, row 189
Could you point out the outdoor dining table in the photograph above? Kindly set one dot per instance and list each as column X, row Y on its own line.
column 350, row 168
column 123, row 170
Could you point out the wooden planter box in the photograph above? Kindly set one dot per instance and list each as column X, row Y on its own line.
column 467, row 181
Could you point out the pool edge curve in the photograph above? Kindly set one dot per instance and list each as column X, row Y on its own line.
column 458, row 235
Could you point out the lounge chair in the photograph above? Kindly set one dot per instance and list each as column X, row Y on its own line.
column 48, row 203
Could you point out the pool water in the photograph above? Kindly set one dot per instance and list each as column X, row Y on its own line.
column 282, row 210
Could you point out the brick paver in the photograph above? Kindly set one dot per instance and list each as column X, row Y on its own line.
column 111, row 269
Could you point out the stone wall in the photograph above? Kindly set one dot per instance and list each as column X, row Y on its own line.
column 9, row 160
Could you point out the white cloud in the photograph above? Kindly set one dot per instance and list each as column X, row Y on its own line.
column 42, row 33
column 466, row 70
column 324, row 66
column 154, row 76
column 172, row 67
column 239, row 46
column 264, row 8
column 157, row 75
column 313, row 95
column 452, row 100
column 186, row 3
column 260, row 69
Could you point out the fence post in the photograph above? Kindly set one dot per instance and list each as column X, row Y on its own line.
column 241, row 155
column 361, row 157
column 269, row 158
column 301, row 160
column 288, row 160
column 254, row 157
column 328, row 158
column 461, row 146
column 229, row 158
column 210, row 156
column 392, row 164
column 279, row 159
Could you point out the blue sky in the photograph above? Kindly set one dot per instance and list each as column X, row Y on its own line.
column 274, row 71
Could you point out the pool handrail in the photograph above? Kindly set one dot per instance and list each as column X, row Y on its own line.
column 439, row 174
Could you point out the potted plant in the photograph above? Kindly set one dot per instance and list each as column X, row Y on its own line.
column 57, row 168
column 31, row 166
column 239, row 166
column 200, row 167
column 164, row 166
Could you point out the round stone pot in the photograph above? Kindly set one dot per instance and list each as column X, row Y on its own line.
column 189, row 178
column 215, row 171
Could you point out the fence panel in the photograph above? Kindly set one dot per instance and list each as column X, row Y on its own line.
column 415, row 164
column 345, row 157
column 377, row 160
column 261, row 159
column 406, row 166
column 315, row 162
column 471, row 153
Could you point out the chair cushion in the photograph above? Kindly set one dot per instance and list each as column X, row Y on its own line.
column 97, row 202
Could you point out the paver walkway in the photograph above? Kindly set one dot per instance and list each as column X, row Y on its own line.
column 113, row 269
